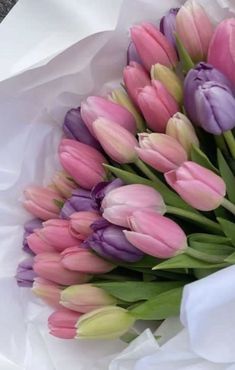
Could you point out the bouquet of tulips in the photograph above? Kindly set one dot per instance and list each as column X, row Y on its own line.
column 145, row 202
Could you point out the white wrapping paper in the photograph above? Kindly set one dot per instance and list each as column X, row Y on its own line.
column 53, row 53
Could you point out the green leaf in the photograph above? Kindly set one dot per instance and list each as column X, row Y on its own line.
column 198, row 156
column 201, row 273
column 164, row 305
column 209, row 238
column 228, row 228
column 222, row 250
column 58, row 203
column 185, row 58
column 185, row 261
column 146, row 261
column 132, row 291
column 227, row 176
column 231, row 258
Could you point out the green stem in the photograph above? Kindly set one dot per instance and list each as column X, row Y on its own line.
column 127, row 168
column 220, row 142
column 198, row 218
column 185, row 58
column 229, row 138
column 148, row 173
column 203, row 256
column 228, row 205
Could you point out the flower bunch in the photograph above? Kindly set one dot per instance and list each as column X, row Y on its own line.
column 145, row 200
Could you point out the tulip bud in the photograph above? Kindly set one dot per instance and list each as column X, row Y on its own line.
column 221, row 49
column 105, row 323
column 157, row 106
column 161, row 151
column 49, row 266
column 82, row 162
column 155, row 235
column 102, row 189
column 96, row 107
column 48, row 291
column 64, row 184
column 152, row 46
column 198, row 186
column 80, row 223
column 42, row 202
column 84, row 298
column 135, row 77
column 29, row 228
column 74, row 128
column 120, row 97
column 132, row 54
column 83, row 260
column 194, row 29
column 62, row 323
column 116, row 141
column 38, row 245
column 109, row 242
column 25, row 274
column 79, row 201
column 169, row 79
column 168, row 25
column 180, row 128
column 119, row 204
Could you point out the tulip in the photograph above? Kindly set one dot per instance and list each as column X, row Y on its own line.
column 198, row 186
column 119, row 204
column 221, row 49
column 155, row 234
column 82, row 162
column 152, row 46
column 120, row 97
column 37, row 245
column 74, row 128
column 85, row 298
column 29, row 228
column 161, row 151
column 48, row 291
column 62, row 323
column 132, row 54
column 215, row 107
column 25, row 274
column 169, row 79
column 116, row 141
column 157, row 106
column 194, row 29
column 105, row 323
column 83, row 260
column 79, row 201
column 135, row 77
column 196, row 77
column 180, row 128
column 64, row 184
column 97, row 107
column 108, row 241
column 80, row 223
column 42, row 202
column 49, row 266
column 168, row 25
column 102, row 189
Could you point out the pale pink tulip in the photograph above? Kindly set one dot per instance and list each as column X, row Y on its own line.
column 62, row 323
column 80, row 223
column 48, row 291
column 135, row 77
column 64, row 184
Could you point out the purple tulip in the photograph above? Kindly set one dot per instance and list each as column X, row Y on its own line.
column 29, row 228
column 25, row 274
column 168, row 25
column 80, row 201
column 103, row 188
column 215, row 107
column 74, row 128
column 110, row 242
column 132, row 54
column 197, row 76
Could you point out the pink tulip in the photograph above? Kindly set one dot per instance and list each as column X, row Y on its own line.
column 41, row 202
column 221, row 50
column 198, row 186
column 116, row 141
column 155, row 234
column 135, row 77
column 85, row 298
column 97, row 107
column 152, row 46
column 194, row 29
column 83, row 260
column 80, row 223
column 38, row 245
column 64, row 184
column 62, row 323
column 157, row 106
column 49, row 266
column 161, row 151
column 120, row 203
column 82, row 162
column 48, row 291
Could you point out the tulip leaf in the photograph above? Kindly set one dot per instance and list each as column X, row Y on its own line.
column 201, row 273
column 227, row 176
column 228, row 228
column 209, row 238
column 231, row 258
column 132, row 291
column 159, row 307
column 185, row 58
column 186, row 261
column 212, row 249
column 198, row 156
column 58, row 203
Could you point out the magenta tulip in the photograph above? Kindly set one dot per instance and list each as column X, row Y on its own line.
column 62, row 323
column 80, row 223
column 135, row 77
